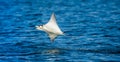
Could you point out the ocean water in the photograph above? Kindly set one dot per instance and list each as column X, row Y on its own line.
column 92, row 29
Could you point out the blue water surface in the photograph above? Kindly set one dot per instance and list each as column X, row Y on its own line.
column 92, row 29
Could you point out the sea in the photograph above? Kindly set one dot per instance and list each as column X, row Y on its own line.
column 91, row 27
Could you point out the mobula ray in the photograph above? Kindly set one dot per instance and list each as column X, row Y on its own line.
column 51, row 28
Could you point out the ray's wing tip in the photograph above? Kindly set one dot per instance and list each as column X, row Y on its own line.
column 53, row 12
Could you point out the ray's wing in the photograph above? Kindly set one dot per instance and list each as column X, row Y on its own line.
column 52, row 20
column 52, row 36
column 52, row 23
